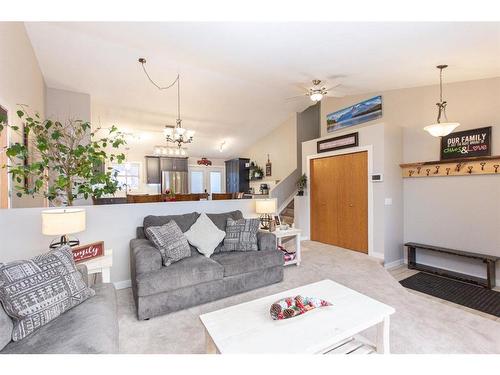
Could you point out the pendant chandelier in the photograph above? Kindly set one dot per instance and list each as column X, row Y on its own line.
column 441, row 129
column 175, row 134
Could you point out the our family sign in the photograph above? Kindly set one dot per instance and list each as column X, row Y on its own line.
column 467, row 143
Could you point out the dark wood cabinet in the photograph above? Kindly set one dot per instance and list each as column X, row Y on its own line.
column 153, row 171
column 237, row 175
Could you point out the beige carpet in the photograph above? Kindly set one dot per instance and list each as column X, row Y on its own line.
column 419, row 325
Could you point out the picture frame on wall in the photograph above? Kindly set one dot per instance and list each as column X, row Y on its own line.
column 338, row 143
column 466, row 144
column 367, row 110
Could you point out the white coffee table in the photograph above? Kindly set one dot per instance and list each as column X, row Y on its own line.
column 248, row 327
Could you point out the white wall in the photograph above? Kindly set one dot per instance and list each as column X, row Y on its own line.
column 456, row 212
column 281, row 145
column 21, row 82
column 372, row 135
column 64, row 105
column 20, row 229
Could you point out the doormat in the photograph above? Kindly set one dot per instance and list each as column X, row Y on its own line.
column 474, row 297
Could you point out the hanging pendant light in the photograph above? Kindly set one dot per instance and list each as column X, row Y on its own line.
column 175, row 134
column 441, row 129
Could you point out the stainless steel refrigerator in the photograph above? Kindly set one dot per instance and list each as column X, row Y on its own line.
column 174, row 181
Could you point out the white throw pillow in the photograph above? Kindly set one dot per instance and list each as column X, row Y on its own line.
column 204, row 235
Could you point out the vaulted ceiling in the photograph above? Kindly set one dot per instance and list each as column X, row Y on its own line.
column 235, row 77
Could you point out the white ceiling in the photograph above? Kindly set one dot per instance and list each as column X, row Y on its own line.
column 235, row 77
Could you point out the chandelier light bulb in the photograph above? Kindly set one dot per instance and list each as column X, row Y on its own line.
column 316, row 97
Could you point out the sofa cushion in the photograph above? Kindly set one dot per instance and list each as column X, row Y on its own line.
column 239, row 262
column 170, row 241
column 36, row 291
column 204, row 235
column 183, row 221
column 91, row 327
column 186, row 272
column 6, row 327
column 241, row 235
column 220, row 220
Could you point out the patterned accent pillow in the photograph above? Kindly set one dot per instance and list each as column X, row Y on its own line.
column 171, row 242
column 36, row 291
column 241, row 235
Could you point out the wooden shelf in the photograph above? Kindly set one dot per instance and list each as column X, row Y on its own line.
column 453, row 167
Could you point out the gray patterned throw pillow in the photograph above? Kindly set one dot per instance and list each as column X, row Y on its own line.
column 171, row 242
column 36, row 291
column 241, row 235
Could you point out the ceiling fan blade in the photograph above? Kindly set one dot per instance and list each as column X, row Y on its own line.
column 335, row 86
column 296, row 97
column 335, row 95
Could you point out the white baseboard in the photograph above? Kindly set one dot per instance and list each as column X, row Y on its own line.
column 122, row 284
column 394, row 264
column 377, row 255
column 304, row 238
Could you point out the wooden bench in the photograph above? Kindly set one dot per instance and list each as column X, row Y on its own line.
column 489, row 260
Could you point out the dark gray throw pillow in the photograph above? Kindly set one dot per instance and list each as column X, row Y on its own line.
column 36, row 291
column 220, row 221
column 170, row 241
column 241, row 235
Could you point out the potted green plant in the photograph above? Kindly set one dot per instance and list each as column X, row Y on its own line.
column 256, row 172
column 63, row 162
column 301, row 184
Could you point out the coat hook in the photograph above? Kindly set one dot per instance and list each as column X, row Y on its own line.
column 496, row 167
column 482, row 165
column 470, row 169
column 437, row 169
column 448, row 171
column 459, row 166
column 418, row 170
column 410, row 172
column 427, row 170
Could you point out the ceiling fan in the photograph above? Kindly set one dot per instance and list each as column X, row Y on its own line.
column 317, row 92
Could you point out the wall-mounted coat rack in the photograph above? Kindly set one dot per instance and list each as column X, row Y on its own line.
column 453, row 167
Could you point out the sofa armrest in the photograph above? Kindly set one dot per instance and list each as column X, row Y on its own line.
column 82, row 268
column 266, row 241
column 144, row 257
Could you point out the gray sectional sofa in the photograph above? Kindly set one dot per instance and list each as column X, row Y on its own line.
column 197, row 279
column 91, row 327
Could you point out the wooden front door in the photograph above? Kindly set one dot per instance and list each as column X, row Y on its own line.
column 339, row 200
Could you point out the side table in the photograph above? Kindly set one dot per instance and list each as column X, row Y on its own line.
column 101, row 265
column 292, row 232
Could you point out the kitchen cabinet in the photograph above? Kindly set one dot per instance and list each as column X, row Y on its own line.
column 153, row 172
column 237, row 175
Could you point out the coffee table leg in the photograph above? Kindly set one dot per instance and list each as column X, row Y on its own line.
column 383, row 345
column 210, row 346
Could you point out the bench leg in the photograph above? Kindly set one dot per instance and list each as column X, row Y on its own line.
column 490, row 274
column 412, row 258
column 383, row 344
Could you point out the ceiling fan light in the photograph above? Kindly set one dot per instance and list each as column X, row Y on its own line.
column 441, row 129
column 316, row 97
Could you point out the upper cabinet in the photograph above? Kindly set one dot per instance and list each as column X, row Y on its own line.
column 153, row 172
column 155, row 165
column 237, row 175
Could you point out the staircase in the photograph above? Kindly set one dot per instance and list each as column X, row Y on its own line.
column 287, row 214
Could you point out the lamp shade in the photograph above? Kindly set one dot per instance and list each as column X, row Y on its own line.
column 265, row 206
column 441, row 129
column 64, row 221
